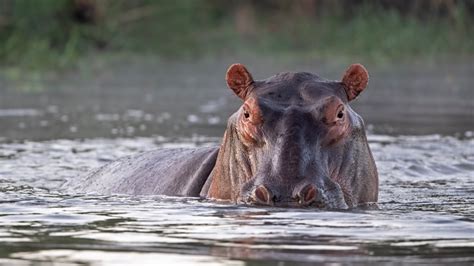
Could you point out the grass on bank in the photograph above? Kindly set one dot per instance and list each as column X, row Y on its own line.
column 47, row 35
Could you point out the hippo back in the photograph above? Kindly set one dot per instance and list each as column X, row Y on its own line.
column 172, row 172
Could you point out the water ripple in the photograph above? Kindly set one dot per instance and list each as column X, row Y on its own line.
column 426, row 212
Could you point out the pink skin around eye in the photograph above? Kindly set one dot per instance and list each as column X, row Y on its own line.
column 335, row 119
column 249, row 121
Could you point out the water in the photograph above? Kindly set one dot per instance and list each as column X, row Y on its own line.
column 422, row 142
column 130, row 98
column 426, row 212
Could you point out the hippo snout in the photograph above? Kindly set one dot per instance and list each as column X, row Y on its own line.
column 308, row 195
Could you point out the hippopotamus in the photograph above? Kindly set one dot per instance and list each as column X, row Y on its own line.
column 294, row 142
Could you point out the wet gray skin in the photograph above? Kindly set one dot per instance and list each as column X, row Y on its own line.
column 295, row 142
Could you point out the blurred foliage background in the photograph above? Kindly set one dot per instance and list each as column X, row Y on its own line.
column 37, row 34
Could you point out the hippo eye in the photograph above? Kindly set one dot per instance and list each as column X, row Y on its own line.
column 340, row 114
column 246, row 114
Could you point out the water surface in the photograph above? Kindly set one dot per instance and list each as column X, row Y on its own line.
column 426, row 212
column 145, row 97
column 420, row 119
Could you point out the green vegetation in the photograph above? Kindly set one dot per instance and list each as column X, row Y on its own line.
column 49, row 34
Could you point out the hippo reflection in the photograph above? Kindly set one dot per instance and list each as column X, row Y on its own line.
column 294, row 142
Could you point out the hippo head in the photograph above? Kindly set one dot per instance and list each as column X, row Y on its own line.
column 295, row 142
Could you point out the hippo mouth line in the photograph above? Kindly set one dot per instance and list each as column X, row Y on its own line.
column 296, row 205
column 288, row 204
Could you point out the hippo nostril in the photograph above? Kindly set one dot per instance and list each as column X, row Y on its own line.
column 262, row 195
column 308, row 194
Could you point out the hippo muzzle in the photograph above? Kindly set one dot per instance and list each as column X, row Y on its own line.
column 307, row 196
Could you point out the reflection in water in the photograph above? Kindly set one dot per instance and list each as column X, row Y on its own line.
column 121, row 258
column 426, row 212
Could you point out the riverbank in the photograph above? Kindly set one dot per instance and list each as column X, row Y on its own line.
column 192, row 30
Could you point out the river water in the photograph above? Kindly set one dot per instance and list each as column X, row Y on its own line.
column 426, row 169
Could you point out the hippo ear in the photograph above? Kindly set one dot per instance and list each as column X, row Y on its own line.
column 355, row 80
column 239, row 80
